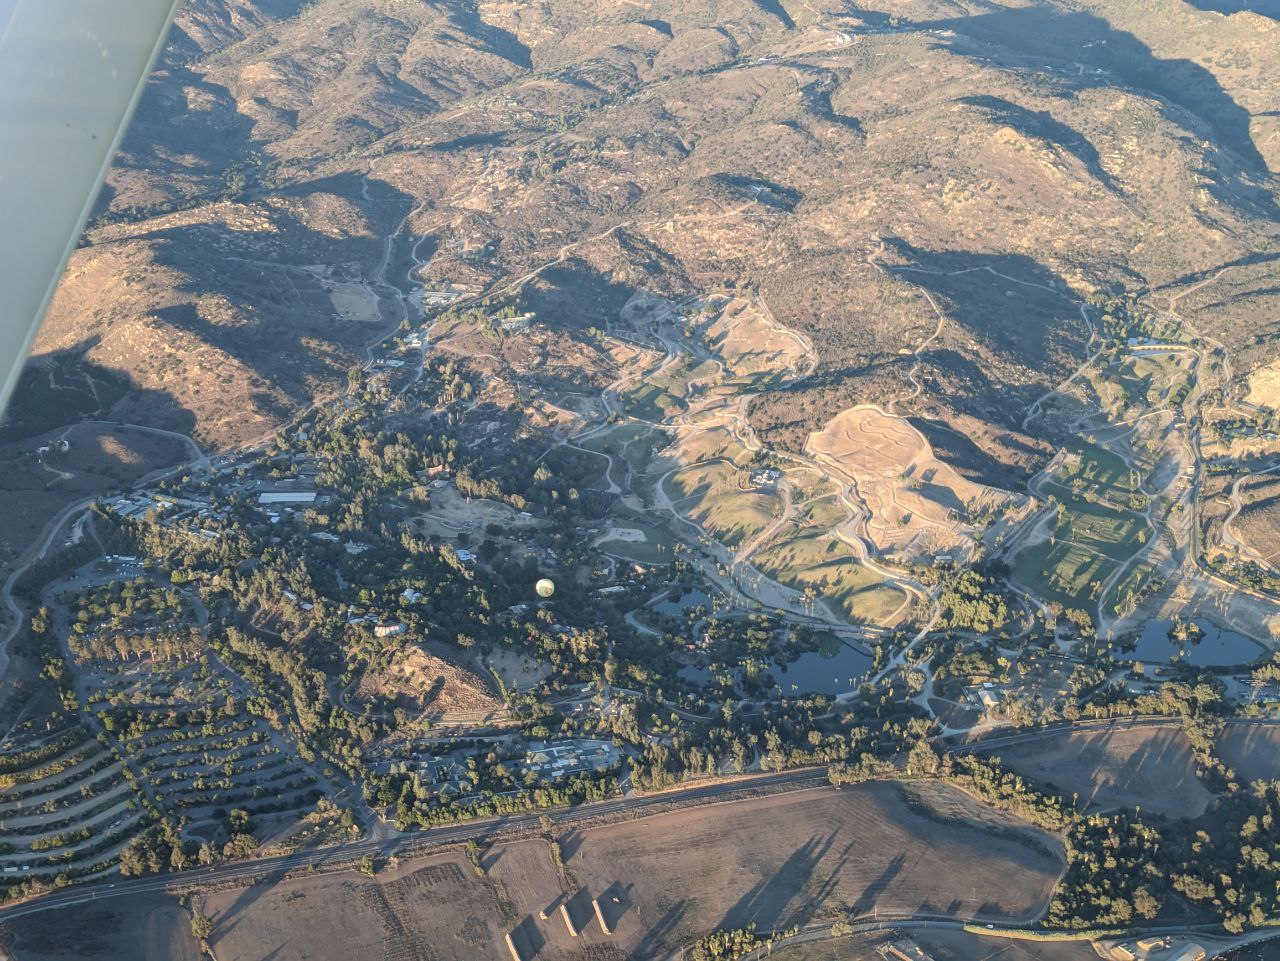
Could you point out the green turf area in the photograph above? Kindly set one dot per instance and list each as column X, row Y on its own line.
column 649, row 402
column 1120, row 599
column 632, row 446
column 815, row 559
column 656, row 548
column 1115, row 533
column 711, row 495
column 1063, row 572
column 1097, row 470
column 665, row 395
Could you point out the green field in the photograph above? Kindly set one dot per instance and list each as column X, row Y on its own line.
column 1089, row 542
column 631, row 445
column 1136, row 579
column 1063, row 572
column 656, row 549
column 710, row 495
column 815, row 559
column 650, row 402
column 664, row 396
column 1099, row 471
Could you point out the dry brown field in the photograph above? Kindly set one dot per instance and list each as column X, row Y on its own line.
column 1251, row 750
column 100, row 459
column 1119, row 767
column 941, row 946
column 776, row 861
column 1258, row 524
column 918, row 503
column 148, row 927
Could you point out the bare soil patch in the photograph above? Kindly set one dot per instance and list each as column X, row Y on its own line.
column 1258, row 523
column 920, row 506
column 941, row 946
column 426, row 682
column 1252, row 750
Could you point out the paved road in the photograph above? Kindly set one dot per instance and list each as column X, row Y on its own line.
column 404, row 844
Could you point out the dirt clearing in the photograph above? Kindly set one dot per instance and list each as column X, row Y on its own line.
column 427, row 683
column 1252, row 751
column 919, row 505
column 941, row 946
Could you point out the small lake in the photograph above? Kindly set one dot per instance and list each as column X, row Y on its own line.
column 835, row 670
column 684, row 603
column 822, row 672
column 1217, row 648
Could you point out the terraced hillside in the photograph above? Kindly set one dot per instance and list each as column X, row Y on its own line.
column 69, row 807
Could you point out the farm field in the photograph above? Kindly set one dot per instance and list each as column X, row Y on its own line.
column 777, row 861
column 66, row 807
column 146, row 927
column 1150, row 767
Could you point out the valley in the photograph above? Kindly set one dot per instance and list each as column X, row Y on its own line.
column 796, row 475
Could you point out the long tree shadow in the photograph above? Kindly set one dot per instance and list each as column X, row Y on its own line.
column 766, row 902
column 871, row 894
column 655, row 940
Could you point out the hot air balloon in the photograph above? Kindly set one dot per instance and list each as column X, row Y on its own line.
column 545, row 587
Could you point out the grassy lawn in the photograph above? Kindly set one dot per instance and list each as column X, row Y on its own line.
column 733, row 518
column 650, row 402
column 631, row 445
column 1063, row 572
column 710, row 495
column 654, row 549
column 813, row 559
column 1099, row 471
column 712, row 443
column 1135, row 580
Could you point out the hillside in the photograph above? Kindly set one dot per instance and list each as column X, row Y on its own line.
column 924, row 189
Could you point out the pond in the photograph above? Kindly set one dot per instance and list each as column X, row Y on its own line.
column 1216, row 648
column 835, row 669
column 684, row 603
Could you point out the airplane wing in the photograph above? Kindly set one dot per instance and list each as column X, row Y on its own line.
column 71, row 72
